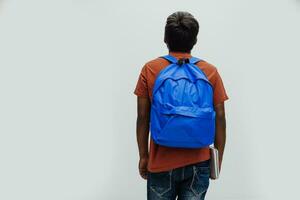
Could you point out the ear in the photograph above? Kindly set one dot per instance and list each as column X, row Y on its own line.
column 165, row 41
column 195, row 41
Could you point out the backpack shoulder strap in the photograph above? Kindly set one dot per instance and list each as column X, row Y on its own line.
column 194, row 60
column 173, row 60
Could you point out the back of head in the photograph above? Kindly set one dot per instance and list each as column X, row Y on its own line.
column 181, row 32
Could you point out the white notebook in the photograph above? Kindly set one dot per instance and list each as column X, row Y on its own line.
column 214, row 163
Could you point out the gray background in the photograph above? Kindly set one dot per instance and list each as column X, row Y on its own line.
column 67, row 109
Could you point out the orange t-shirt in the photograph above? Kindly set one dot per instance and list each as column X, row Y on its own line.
column 163, row 158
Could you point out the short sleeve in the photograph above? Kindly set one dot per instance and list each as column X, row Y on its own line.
column 220, row 94
column 141, row 88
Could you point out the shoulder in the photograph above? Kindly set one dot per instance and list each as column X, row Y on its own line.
column 153, row 66
column 155, row 62
column 209, row 69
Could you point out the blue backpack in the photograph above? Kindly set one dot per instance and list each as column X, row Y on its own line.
column 182, row 111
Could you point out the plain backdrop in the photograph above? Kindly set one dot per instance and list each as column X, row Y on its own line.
column 68, row 70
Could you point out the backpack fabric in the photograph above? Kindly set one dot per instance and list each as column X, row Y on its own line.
column 182, row 111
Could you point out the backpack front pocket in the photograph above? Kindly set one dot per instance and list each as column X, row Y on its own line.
column 188, row 131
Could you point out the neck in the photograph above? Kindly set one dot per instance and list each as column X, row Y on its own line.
column 180, row 54
column 188, row 52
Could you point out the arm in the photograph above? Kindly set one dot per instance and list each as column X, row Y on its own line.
column 142, row 133
column 220, row 137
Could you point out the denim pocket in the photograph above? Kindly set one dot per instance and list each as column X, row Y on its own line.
column 200, row 181
column 160, row 183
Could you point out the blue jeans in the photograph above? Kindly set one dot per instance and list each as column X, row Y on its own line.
column 187, row 183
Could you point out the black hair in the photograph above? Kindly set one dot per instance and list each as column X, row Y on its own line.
column 181, row 32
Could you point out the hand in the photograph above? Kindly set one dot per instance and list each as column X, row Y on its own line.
column 220, row 162
column 143, row 167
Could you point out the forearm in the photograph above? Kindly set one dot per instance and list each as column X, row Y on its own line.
column 142, row 133
column 220, row 138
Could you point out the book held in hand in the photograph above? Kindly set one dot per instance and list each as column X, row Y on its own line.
column 214, row 163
